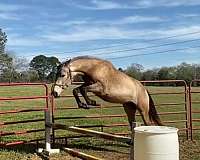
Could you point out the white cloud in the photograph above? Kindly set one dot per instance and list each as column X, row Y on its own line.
column 75, row 22
column 16, row 40
column 101, row 5
column 85, row 33
column 108, row 5
column 25, row 42
column 165, row 3
column 178, row 31
column 138, row 19
column 179, row 3
column 9, row 16
column 9, row 11
column 189, row 15
column 10, row 7
column 89, row 29
column 123, row 21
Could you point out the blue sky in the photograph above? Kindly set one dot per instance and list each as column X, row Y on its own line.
column 62, row 28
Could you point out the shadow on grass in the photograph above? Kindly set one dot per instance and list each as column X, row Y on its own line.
column 88, row 143
column 21, row 148
column 26, row 149
column 84, row 144
column 94, row 145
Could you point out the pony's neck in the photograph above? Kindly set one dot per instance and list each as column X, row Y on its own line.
column 82, row 65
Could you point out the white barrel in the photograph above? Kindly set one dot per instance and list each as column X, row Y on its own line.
column 156, row 143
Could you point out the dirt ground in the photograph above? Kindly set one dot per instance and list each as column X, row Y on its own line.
column 189, row 150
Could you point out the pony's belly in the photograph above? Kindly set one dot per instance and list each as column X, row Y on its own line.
column 115, row 99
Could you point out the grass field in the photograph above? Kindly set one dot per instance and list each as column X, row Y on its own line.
column 102, row 148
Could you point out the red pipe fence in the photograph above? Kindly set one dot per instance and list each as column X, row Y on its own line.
column 177, row 104
column 16, row 120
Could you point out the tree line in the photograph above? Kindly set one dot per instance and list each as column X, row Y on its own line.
column 43, row 69
column 15, row 69
column 183, row 71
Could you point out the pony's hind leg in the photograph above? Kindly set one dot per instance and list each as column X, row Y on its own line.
column 130, row 109
column 145, row 117
column 143, row 107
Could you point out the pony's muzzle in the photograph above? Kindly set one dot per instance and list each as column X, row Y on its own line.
column 55, row 94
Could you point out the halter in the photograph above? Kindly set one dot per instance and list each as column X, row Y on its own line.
column 60, row 85
column 70, row 76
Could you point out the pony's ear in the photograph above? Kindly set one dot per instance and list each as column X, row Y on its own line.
column 58, row 63
column 67, row 62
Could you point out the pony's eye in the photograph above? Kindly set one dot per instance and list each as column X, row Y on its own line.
column 62, row 75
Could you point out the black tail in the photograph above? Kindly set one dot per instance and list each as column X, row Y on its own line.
column 153, row 113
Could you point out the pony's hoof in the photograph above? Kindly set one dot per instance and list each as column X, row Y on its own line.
column 84, row 106
column 94, row 103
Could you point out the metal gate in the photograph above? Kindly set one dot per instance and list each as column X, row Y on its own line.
column 22, row 108
column 194, row 104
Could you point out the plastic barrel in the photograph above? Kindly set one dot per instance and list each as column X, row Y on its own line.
column 156, row 143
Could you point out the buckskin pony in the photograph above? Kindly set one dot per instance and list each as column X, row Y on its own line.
column 105, row 81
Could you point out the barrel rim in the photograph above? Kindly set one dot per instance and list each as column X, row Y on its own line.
column 155, row 129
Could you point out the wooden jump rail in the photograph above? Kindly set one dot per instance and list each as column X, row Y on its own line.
column 94, row 133
column 81, row 155
column 48, row 130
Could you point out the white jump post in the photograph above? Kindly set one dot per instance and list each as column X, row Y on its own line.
column 48, row 150
column 48, row 130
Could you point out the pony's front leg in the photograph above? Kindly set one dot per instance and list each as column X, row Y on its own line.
column 78, row 101
column 96, row 88
column 83, row 90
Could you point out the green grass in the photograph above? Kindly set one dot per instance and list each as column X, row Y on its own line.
column 161, row 100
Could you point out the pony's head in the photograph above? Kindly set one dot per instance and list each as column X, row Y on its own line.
column 63, row 79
